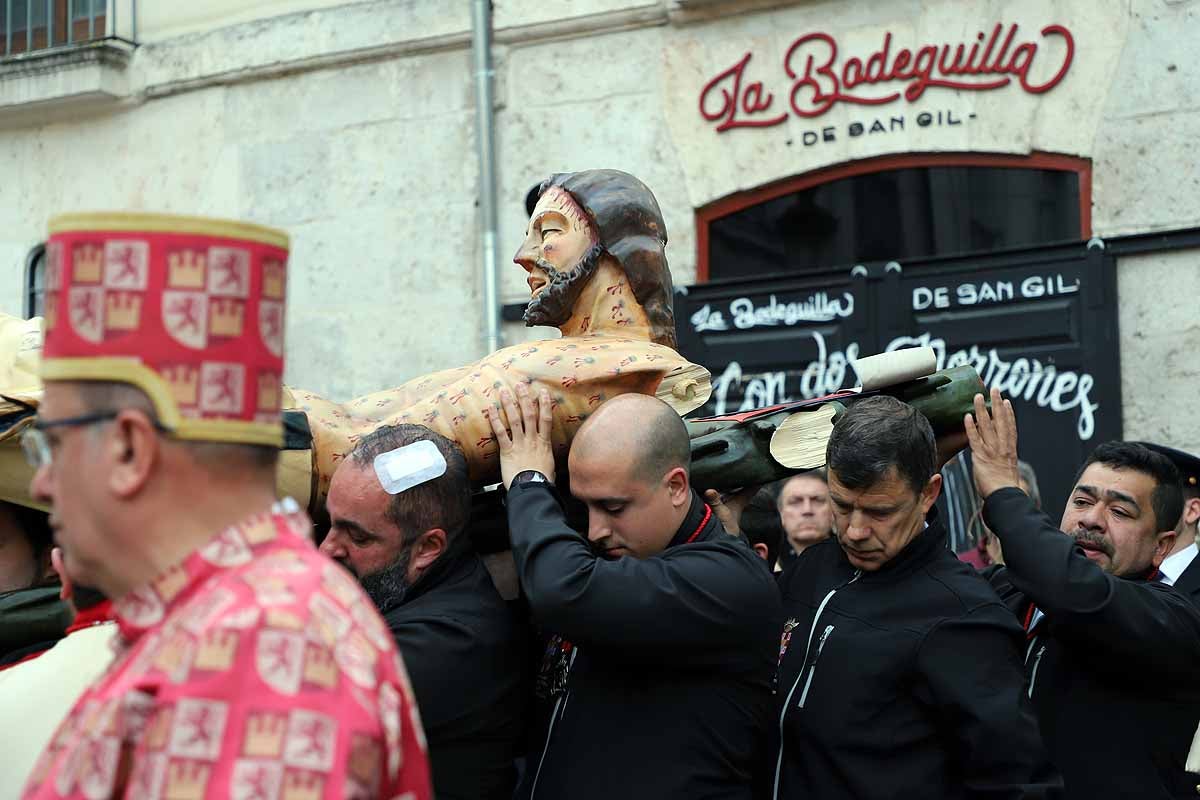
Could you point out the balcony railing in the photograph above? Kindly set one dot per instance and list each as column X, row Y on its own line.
column 30, row 26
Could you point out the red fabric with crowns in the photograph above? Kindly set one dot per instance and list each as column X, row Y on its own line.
column 256, row 668
column 204, row 312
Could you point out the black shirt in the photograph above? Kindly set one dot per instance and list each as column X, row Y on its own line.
column 466, row 652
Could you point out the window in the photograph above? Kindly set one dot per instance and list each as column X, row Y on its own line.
column 35, row 282
column 27, row 25
column 896, row 209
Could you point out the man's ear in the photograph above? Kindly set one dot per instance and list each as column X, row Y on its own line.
column 929, row 494
column 1191, row 511
column 679, row 487
column 761, row 549
column 1162, row 546
column 133, row 449
column 428, row 547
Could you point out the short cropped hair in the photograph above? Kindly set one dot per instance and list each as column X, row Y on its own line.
column 444, row 502
column 778, row 487
column 879, row 433
column 114, row 396
column 1167, row 497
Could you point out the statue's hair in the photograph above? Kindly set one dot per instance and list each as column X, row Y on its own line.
column 630, row 227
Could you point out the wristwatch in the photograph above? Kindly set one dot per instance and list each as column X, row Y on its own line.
column 528, row 476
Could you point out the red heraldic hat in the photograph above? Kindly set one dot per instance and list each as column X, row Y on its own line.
column 189, row 310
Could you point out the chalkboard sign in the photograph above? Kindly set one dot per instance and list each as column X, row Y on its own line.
column 1040, row 324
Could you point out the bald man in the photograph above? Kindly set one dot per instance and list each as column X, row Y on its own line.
column 657, row 679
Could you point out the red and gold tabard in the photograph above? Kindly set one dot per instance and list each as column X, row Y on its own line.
column 254, row 669
column 188, row 309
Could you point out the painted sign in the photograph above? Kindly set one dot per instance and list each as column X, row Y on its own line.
column 820, row 79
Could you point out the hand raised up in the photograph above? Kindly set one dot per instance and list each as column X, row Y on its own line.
column 993, row 438
column 528, row 444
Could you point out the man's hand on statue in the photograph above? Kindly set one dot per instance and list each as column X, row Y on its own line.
column 729, row 507
column 993, row 438
column 528, row 445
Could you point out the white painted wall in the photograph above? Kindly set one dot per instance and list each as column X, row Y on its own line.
column 352, row 126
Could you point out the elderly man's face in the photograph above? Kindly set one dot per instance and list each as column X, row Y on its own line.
column 874, row 524
column 80, row 508
column 804, row 511
column 557, row 240
column 1111, row 518
column 362, row 539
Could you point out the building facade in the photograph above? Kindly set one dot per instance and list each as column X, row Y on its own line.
column 836, row 177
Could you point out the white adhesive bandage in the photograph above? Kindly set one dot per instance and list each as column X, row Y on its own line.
column 405, row 467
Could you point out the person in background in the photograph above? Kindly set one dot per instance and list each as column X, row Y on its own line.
column 658, row 678
column 1181, row 568
column 1111, row 653
column 32, row 617
column 464, row 647
column 804, row 511
column 987, row 550
column 41, row 691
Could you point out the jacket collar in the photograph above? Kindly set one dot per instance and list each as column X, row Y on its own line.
column 697, row 525
column 450, row 567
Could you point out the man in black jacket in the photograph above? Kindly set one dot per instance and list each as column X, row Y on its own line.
column 900, row 674
column 464, row 648
column 1112, row 655
column 1181, row 567
column 660, row 674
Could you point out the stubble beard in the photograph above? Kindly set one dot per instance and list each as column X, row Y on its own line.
column 388, row 587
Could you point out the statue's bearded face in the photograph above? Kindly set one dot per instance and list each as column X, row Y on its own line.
column 560, row 253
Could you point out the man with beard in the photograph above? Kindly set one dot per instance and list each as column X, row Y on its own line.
column 464, row 648
column 1111, row 653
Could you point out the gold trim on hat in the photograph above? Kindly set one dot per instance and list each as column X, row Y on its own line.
column 129, row 369
column 139, row 221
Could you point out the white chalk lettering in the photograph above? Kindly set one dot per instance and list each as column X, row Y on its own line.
column 820, row 377
column 1025, row 379
column 983, row 292
column 819, row 307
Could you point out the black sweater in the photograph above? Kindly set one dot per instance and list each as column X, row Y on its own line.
column 466, row 652
column 671, row 659
column 902, row 683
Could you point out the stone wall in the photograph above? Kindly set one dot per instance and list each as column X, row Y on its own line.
column 352, row 126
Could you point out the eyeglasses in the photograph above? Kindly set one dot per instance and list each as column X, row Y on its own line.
column 36, row 444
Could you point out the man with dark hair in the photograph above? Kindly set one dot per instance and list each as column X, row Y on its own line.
column 1181, row 568
column 658, row 678
column 464, row 648
column 32, row 617
column 1112, row 654
column 900, row 673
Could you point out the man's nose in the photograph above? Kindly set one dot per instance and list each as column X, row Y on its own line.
column 598, row 528
column 857, row 529
column 333, row 546
column 1092, row 517
column 39, row 485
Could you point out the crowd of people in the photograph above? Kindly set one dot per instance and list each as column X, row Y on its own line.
column 174, row 630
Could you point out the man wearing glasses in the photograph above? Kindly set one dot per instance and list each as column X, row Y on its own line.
column 247, row 664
